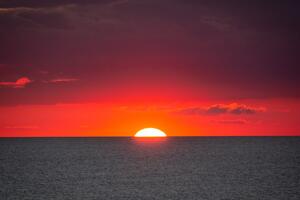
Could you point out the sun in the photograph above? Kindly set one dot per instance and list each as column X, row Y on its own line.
column 150, row 132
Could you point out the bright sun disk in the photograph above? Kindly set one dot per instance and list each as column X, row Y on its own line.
column 150, row 132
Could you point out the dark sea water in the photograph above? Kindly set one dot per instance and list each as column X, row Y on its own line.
column 217, row 168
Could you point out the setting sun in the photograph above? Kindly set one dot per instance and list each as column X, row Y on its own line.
column 150, row 132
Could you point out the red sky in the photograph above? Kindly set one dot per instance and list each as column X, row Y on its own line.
column 110, row 68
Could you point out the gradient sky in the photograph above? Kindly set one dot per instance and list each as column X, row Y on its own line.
column 112, row 67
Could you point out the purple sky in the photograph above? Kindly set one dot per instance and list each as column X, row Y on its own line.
column 85, row 51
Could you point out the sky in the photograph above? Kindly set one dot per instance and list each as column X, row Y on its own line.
column 113, row 67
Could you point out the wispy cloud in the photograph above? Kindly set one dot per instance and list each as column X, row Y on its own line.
column 19, row 83
column 22, row 127
column 62, row 80
column 230, row 121
column 16, row 10
column 217, row 109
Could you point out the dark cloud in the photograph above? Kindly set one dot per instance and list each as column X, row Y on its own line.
column 28, row 18
column 234, row 109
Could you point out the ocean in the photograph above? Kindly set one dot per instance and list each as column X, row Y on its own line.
column 174, row 168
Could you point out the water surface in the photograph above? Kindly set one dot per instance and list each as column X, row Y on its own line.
column 225, row 168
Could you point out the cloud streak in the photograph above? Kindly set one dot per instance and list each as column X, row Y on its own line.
column 230, row 121
column 19, row 83
column 22, row 127
column 62, row 80
column 218, row 109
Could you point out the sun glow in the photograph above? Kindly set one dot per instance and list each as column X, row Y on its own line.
column 150, row 132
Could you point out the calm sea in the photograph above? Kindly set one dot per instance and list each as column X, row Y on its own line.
column 216, row 168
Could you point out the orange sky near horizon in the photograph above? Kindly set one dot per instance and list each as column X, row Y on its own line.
column 267, row 118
